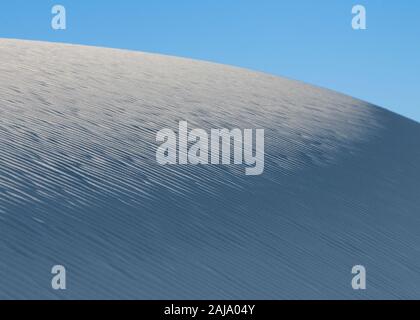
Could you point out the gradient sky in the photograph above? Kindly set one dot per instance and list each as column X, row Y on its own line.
column 307, row 40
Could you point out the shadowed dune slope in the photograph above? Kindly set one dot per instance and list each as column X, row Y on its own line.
column 80, row 185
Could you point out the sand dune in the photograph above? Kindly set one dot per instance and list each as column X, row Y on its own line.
column 80, row 185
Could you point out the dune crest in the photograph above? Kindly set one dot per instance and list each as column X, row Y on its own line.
column 80, row 185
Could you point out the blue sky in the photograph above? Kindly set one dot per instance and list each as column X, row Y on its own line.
column 307, row 40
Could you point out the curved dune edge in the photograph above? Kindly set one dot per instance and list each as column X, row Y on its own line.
column 80, row 186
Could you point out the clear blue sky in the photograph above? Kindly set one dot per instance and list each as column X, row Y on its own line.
column 307, row 40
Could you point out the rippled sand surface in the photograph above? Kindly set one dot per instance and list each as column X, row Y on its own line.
column 80, row 185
